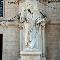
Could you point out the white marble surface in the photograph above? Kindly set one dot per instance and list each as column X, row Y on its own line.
column 31, row 18
column 31, row 53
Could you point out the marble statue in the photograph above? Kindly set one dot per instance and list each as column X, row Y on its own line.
column 31, row 17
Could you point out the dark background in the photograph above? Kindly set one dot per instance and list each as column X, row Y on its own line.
column 1, row 45
column 1, row 8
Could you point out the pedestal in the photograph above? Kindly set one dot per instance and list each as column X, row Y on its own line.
column 30, row 55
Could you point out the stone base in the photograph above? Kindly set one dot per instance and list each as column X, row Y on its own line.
column 30, row 56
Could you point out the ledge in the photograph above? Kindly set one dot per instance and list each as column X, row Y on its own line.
column 30, row 53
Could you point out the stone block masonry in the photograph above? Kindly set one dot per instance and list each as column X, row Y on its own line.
column 10, row 43
column 53, row 41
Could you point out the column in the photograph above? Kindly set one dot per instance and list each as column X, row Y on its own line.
column 43, row 25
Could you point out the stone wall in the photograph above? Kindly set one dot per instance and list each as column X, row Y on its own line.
column 10, row 9
column 11, row 34
column 51, row 10
column 10, row 43
column 53, row 41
